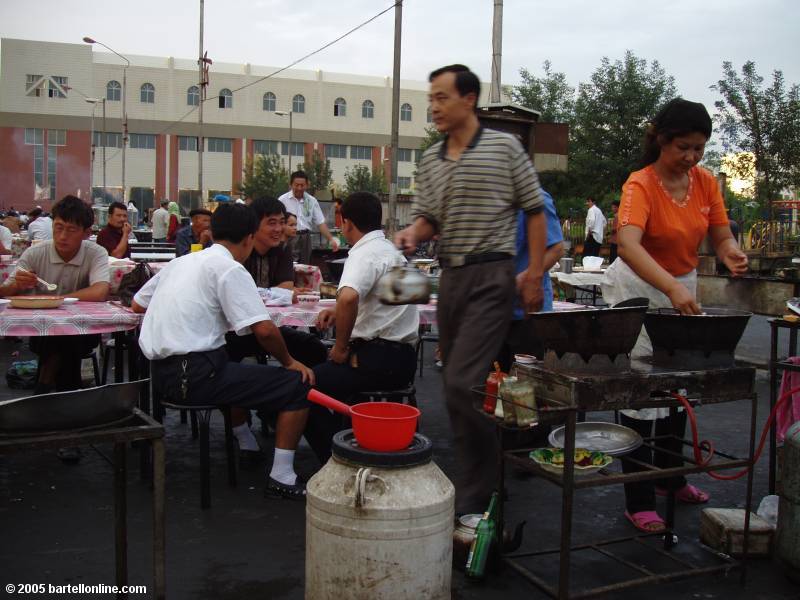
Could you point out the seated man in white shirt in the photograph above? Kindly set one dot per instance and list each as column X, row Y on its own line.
column 375, row 342
column 190, row 305
column 39, row 227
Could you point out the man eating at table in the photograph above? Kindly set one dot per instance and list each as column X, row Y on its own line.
column 79, row 269
column 374, row 347
column 114, row 236
column 190, row 364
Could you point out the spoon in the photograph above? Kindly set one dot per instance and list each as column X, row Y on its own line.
column 51, row 287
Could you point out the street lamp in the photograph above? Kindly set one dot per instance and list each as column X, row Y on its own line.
column 94, row 102
column 89, row 40
column 283, row 114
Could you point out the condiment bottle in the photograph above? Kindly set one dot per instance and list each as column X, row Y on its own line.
column 507, row 397
column 492, row 390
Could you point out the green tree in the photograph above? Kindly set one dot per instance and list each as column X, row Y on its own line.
column 764, row 121
column 432, row 135
column 265, row 176
column 611, row 112
column 550, row 94
column 319, row 172
column 360, row 179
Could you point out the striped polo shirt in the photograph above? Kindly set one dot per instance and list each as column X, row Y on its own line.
column 472, row 201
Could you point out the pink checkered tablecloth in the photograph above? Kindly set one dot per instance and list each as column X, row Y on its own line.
column 80, row 318
column 305, row 315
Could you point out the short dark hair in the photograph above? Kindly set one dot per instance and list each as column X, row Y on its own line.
column 676, row 118
column 200, row 211
column 233, row 222
column 35, row 213
column 615, row 203
column 116, row 205
column 364, row 210
column 164, row 201
column 466, row 81
column 72, row 209
column 298, row 175
column 266, row 206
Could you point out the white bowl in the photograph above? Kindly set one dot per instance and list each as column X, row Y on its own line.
column 70, row 300
column 4, row 303
column 592, row 262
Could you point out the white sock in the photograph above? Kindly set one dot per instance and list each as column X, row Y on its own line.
column 283, row 467
column 247, row 441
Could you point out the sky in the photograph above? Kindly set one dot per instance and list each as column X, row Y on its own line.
column 690, row 38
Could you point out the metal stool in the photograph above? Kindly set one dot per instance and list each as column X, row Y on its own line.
column 403, row 396
column 425, row 337
column 204, row 412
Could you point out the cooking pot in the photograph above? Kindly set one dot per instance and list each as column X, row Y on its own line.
column 715, row 330
column 378, row 426
column 464, row 533
column 403, row 285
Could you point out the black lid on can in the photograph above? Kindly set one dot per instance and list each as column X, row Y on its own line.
column 419, row 452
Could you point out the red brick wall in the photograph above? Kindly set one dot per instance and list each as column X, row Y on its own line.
column 249, row 153
column 376, row 158
column 72, row 166
column 161, row 170
column 16, row 170
column 308, row 151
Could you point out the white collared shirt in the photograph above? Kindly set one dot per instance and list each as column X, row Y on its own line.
column 194, row 301
column 369, row 259
column 307, row 210
column 595, row 223
column 41, row 229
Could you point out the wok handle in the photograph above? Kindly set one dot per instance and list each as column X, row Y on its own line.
column 324, row 400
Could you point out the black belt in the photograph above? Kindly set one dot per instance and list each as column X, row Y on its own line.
column 449, row 262
column 303, row 232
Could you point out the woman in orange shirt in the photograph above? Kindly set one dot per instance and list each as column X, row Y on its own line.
column 667, row 208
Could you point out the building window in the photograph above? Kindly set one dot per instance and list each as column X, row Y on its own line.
column 265, row 147
column 335, row 151
column 299, row 104
column 339, row 107
column 34, row 85
column 429, row 116
column 404, row 183
column 187, row 143
column 404, row 154
column 193, row 96
column 113, row 91
column 417, row 155
column 51, row 170
column 34, row 136
column 219, row 145
column 109, row 140
column 147, row 93
column 405, row 112
column 225, row 98
column 367, row 109
column 38, row 86
column 297, row 148
column 58, row 86
column 270, row 102
column 56, row 137
column 142, row 141
column 361, row 152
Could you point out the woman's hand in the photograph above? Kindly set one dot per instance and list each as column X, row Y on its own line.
column 682, row 300
column 735, row 260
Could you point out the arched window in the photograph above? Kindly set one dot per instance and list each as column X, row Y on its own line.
column 339, row 107
column 299, row 104
column 113, row 91
column 193, row 96
column 147, row 93
column 367, row 109
column 225, row 98
column 405, row 112
column 429, row 116
column 270, row 101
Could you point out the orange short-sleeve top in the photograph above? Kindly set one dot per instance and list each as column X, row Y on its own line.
column 673, row 230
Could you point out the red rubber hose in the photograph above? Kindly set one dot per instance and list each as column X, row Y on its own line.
column 708, row 446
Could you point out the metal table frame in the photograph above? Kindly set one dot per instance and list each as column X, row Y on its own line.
column 140, row 427
column 778, row 364
column 567, row 396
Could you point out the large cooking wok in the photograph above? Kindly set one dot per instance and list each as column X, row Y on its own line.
column 63, row 411
column 716, row 330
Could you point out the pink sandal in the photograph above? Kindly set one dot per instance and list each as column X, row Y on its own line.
column 688, row 494
column 644, row 518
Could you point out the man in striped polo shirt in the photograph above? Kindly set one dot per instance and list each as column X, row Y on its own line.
column 469, row 187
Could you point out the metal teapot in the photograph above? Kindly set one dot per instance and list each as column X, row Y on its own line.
column 403, row 285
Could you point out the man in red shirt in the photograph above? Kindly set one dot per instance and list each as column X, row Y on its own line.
column 114, row 236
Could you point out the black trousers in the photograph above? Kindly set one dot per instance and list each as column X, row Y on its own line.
column 70, row 350
column 303, row 346
column 382, row 365
column 591, row 247
column 612, row 253
column 641, row 496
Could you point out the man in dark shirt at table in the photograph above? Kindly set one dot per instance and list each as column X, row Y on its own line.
column 114, row 236
column 198, row 232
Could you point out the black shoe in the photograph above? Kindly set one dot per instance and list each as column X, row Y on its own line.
column 292, row 492
column 250, row 458
column 69, row 456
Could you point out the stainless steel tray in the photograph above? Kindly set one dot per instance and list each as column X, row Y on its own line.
column 598, row 436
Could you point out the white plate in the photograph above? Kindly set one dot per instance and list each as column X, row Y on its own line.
column 328, row 301
column 70, row 300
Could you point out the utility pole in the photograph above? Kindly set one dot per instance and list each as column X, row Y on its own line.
column 497, row 52
column 398, row 29
column 200, row 141
column 104, row 149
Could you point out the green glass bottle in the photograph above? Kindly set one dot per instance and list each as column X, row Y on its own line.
column 485, row 536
